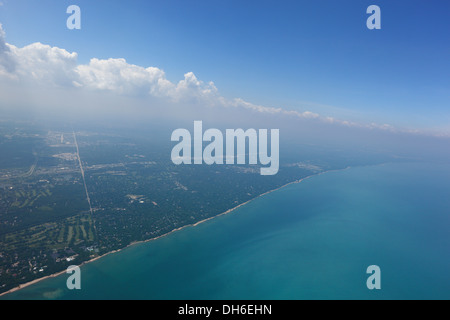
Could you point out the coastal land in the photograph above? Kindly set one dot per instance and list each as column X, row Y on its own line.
column 70, row 196
column 164, row 235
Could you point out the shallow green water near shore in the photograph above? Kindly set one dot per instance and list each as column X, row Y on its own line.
column 312, row 240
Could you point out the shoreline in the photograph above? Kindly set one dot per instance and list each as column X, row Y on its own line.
column 21, row 286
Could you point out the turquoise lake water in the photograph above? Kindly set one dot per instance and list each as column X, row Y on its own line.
column 312, row 240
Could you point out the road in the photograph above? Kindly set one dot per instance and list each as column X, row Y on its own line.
column 84, row 181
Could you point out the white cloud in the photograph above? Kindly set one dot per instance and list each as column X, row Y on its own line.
column 39, row 62
column 54, row 66
column 117, row 75
column 7, row 63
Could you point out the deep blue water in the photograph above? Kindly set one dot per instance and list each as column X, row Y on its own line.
column 312, row 240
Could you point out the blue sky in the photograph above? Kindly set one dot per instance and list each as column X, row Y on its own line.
column 313, row 55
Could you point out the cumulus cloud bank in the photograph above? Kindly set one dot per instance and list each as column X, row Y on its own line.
column 44, row 64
